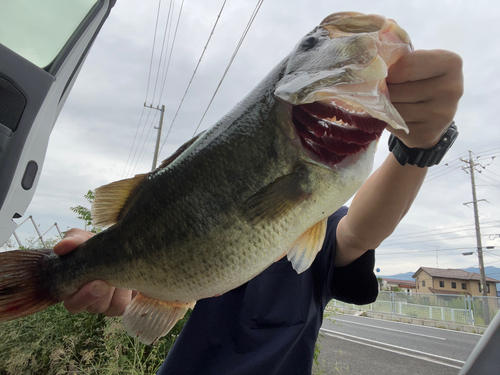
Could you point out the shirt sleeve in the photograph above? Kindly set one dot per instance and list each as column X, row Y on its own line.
column 355, row 283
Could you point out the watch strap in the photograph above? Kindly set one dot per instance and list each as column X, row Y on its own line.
column 423, row 157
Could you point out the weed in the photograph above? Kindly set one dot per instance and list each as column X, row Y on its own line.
column 56, row 342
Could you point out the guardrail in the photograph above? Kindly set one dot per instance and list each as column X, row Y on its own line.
column 442, row 307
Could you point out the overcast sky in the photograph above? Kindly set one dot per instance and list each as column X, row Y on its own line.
column 92, row 141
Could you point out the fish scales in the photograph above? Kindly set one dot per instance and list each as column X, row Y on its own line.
column 258, row 184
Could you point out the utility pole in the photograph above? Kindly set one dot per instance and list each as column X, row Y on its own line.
column 484, row 289
column 157, row 146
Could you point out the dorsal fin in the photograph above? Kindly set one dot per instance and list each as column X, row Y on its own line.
column 179, row 151
column 305, row 248
column 277, row 198
column 111, row 199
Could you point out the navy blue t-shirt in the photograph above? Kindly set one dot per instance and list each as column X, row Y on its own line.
column 270, row 324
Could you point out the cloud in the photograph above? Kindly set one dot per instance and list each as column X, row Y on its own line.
column 92, row 139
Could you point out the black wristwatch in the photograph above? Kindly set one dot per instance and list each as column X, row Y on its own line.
column 423, row 157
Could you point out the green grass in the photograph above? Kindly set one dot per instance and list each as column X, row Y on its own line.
column 57, row 342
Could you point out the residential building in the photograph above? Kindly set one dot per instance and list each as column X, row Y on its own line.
column 403, row 285
column 452, row 281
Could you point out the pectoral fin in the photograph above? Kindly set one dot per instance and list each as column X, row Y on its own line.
column 277, row 198
column 149, row 319
column 305, row 248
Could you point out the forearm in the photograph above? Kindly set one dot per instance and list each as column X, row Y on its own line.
column 377, row 208
column 425, row 87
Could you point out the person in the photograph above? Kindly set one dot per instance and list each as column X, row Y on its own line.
column 270, row 324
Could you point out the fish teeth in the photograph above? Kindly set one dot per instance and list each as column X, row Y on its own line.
column 336, row 122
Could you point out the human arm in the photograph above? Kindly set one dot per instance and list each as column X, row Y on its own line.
column 425, row 87
column 97, row 296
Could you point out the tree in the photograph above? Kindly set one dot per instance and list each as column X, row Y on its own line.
column 84, row 213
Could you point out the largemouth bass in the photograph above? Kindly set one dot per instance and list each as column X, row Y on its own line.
column 258, row 184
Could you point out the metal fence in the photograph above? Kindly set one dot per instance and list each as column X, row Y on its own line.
column 443, row 307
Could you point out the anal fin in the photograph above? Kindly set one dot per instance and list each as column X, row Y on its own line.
column 149, row 319
column 304, row 249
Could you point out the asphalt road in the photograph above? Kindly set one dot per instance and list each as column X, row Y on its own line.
column 352, row 345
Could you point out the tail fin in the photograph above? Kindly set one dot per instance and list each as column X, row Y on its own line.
column 23, row 283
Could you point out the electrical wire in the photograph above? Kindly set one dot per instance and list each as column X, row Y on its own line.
column 167, row 24
column 441, row 230
column 138, row 143
column 146, row 139
column 434, row 177
column 487, row 183
column 151, row 125
column 192, row 77
column 147, row 91
column 249, row 24
column 133, row 142
column 171, row 50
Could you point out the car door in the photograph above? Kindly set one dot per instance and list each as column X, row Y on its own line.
column 43, row 45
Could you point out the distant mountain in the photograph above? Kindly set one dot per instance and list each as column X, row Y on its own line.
column 490, row 271
column 399, row 276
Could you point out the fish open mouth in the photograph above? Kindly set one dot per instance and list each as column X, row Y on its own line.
column 332, row 130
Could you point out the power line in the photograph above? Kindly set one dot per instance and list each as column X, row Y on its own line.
column 411, row 237
column 171, row 50
column 433, row 240
column 435, row 176
column 138, row 143
column 440, row 230
column 147, row 91
column 133, row 142
column 146, row 139
column 249, row 24
column 487, row 183
column 161, row 52
column 194, row 73
column 151, row 125
column 416, row 252
column 441, row 168
column 486, row 175
column 153, row 50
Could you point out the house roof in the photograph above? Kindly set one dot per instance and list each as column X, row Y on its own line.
column 441, row 291
column 452, row 273
column 400, row 282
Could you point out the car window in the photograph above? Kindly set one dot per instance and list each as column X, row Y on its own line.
column 38, row 30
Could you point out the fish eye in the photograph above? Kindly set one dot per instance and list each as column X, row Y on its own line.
column 309, row 43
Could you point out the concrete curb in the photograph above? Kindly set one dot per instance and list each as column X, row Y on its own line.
column 410, row 320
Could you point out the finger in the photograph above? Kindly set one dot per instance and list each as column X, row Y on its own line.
column 72, row 239
column 121, row 298
column 103, row 303
column 88, row 295
column 411, row 92
column 445, row 90
column 437, row 114
column 424, row 64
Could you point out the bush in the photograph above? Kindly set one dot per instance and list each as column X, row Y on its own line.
column 57, row 342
